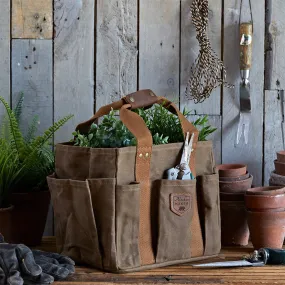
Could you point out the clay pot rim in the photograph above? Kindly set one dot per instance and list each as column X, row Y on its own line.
column 257, row 190
column 280, row 162
column 10, row 208
column 278, row 196
column 237, row 182
column 272, row 211
column 225, row 170
column 281, row 152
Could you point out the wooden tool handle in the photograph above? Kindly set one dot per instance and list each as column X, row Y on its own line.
column 246, row 37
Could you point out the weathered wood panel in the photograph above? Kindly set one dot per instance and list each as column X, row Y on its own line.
column 272, row 132
column 190, row 51
column 73, row 63
column 5, row 53
column 159, row 47
column 215, row 122
column 252, row 153
column 32, row 75
column 116, row 61
column 275, row 42
column 32, row 67
column 32, row 19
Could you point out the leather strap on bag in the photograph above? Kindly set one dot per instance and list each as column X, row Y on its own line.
column 137, row 126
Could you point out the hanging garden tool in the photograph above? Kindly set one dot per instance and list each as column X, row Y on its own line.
column 208, row 71
column 246, row 35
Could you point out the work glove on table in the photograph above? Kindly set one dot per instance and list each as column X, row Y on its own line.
column 18, row 267
column 56, row 265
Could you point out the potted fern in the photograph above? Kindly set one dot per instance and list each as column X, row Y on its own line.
column 25, row 161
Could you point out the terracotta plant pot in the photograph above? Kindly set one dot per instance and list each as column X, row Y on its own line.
column 28, row 218
column 231, row 170
column 279, row 167
column 281, row 156
column 234, row 228
column 267, row 229
column 6, row 223
column 267, row 191
column 238, row 178
column 236, row 186
column 231, row 196
column 262, row 203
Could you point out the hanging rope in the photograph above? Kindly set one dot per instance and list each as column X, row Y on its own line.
column 208, row 71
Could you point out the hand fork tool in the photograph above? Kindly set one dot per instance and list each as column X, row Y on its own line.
column 182, row 171
column 246, row 33
column 261, row 257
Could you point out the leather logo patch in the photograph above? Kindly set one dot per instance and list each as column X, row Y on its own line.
column 180, row 203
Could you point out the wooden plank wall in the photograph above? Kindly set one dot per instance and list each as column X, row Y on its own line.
column 85, row 54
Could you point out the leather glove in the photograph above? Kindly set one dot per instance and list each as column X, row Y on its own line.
column 56, row 265
column 18, row 267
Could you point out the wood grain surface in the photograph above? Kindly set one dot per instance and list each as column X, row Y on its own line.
column 272, row 132
column 159, row 47
column 116, row 50
column 32, row 75
column 73, row 63
column 32, row 19
column 5, row 53
column 180, row 274
column 275, row 42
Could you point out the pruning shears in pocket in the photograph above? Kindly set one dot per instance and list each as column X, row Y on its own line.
column 182, row 171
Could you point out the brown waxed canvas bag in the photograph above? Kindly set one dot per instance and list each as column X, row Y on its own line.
column 115, row 211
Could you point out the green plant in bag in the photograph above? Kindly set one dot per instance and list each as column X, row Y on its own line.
column 25, row 161
column 164, row 126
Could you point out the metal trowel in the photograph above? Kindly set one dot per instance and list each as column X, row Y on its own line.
column 246, row 33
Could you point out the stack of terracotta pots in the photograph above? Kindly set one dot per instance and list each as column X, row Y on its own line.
column 266, row 216
column 234, row 181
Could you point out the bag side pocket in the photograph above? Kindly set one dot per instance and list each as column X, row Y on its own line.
column 127, row 225
column 176, row 224
column 208, row 188
column 103, row 202
column 76, row 231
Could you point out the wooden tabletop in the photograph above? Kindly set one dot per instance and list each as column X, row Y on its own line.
column 179, row 274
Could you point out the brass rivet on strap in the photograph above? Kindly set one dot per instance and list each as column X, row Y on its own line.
column 140, row 155
column 146, row 155
column 132, row 99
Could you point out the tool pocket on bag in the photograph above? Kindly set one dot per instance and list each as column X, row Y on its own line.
column 127, row 225
column 76, row 231
column 103, row 202
column 177, row 203
column 209, row 201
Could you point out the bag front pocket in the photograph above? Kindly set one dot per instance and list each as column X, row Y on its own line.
column 179, row 231
column 76, row 232
column 103, row 202
column 208, row 189
column 127, row 225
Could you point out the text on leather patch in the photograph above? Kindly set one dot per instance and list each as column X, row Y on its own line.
column 180, row 203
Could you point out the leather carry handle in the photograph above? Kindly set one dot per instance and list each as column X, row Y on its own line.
column 140, row 99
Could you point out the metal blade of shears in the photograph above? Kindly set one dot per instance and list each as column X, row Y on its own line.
column 239, row 263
